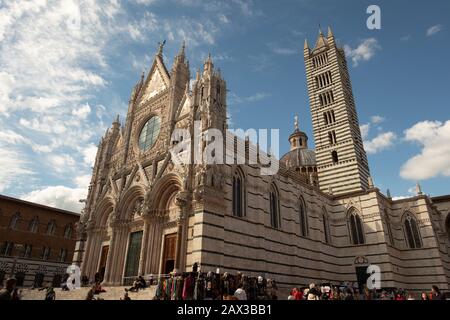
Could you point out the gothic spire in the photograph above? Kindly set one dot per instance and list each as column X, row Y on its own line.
column 160, row 49
column 208, row 66
column 330, row 32
column 305, row 45
column 418, row 189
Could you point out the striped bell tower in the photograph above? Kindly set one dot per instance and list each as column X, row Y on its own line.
column 341, row 160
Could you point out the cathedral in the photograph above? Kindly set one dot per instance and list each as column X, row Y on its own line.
column 318, row 219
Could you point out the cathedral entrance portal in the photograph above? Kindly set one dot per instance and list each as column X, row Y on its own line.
column 361, row 276
column 103, row 258
column 133, row 257
column 168, row 261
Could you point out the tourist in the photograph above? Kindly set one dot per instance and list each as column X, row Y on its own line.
column 298, row 294
column 424, row 296
column 349, row 294
column 90, row 294
column 240, row 293
column 436, row 293
column 125, row 296
column 98, row 288
column 313, row 292
column 411, row 297
column 138, row 284
column 16, row 294
column 291, row 295
column 50, row 293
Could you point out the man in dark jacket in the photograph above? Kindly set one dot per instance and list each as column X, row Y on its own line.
column 7, row 292
column 436, row 293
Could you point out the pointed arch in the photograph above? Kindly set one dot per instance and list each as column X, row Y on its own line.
column 51, row 227
column 326, row 226
column 239, row 194
column 103, row 211
column 128, row 202
column 274, row 202
column 33, row 226
column 355, row 226
column 168, row 186
column 387, row 221
column 303, row 217
column 68, row 230
column 411, row 230
column 14, row 222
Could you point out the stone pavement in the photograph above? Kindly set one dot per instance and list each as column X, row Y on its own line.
column 112, row 293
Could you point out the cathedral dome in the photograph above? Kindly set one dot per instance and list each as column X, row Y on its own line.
column 299, row 157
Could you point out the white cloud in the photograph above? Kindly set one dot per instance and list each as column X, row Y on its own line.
column 59, row 197
column 377, row 119
column 364, row 51
column 83, row 181
column 382, row 141
column 61, row 163
column 89, row 154
column 54, row 62
column 379, row 143
column 223, row 18
column 82, row 112
column 285, row 51
column 235, row 99
column 406, row 37
column 365, row 130
column 434, row 159
column 13, row 167
column 433, row 30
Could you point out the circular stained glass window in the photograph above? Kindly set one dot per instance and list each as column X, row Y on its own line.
column 149, row 133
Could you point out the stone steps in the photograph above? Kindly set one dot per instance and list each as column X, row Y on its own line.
column 112, row 293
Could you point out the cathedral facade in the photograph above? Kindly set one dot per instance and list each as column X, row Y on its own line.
column 318, row 219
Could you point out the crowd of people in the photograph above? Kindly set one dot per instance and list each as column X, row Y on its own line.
column 215, row 286
column 348, row 292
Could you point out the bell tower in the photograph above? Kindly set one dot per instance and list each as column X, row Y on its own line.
column 341, row 160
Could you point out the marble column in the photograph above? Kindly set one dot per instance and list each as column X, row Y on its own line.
column 144, row 248
column 109, row 259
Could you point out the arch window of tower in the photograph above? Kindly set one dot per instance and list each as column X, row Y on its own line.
column 323, row 80
column 356, row 227
column 412, row 233
column 332, row 137
column 303, row 218
column 334, row 156
column 320, row 60
column 329, row 117
column 218, row 91
column 274, row 202
column 326, row 98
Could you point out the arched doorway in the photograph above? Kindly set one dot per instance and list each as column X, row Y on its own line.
column 166, row 205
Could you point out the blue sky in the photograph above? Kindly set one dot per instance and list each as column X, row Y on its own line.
column 64, row 76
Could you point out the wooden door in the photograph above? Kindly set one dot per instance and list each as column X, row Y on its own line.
column 168, row 261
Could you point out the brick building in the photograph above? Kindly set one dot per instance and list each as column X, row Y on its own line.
column 36, row 242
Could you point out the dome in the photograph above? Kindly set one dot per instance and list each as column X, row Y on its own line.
column 299, row 157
